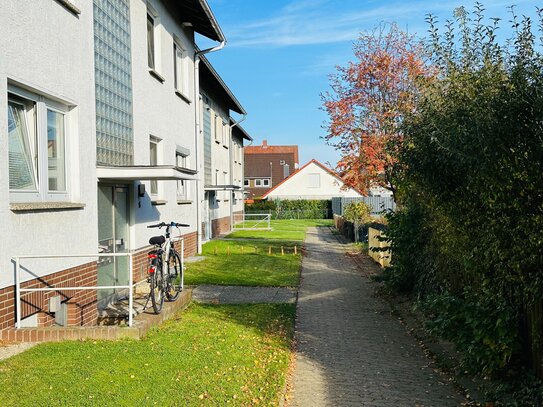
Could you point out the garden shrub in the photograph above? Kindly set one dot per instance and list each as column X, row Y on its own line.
column 467, row 239
column 358, row 212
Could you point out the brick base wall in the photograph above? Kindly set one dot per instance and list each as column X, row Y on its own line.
column 220, row 226
column 81, row 304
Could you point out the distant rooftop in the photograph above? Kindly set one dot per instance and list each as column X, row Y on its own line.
column 267, row 149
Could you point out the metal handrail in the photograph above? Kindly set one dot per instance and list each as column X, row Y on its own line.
column 19, row 290
column 130, row 286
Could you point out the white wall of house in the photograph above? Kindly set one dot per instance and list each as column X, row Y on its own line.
column 162, row 113
column 312, row 182
column 221, row 135
column 48, row 52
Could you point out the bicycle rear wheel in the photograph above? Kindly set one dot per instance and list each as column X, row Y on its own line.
column 157, row 288
column 174, row 277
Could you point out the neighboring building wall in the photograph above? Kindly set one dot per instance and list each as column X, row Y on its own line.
column 160, row 112
column 313, row 181
column 47, row 51
column 265, row 164
column 217, row 156
column 237, row 173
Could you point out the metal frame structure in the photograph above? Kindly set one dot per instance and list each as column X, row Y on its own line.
column 130, row 286
column 19, row 290
column 265, row 218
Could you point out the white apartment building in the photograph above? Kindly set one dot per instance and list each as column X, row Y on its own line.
column 102, row 101
column 222, row 140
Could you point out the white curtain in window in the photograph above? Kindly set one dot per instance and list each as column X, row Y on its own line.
column 22, row 174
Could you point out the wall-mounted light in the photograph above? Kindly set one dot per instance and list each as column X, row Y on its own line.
column 141, row 193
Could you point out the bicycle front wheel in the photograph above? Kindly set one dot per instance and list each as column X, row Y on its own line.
column 157, row 289
column 174, row 277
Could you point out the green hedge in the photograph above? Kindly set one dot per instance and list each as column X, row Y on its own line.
column 295, row 209
column 468, row 240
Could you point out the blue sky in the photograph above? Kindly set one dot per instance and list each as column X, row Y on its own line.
column 280, row 52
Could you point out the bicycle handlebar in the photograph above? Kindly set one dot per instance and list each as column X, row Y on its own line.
column 171, row 224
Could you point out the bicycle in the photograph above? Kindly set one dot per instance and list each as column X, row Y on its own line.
column 164, row 284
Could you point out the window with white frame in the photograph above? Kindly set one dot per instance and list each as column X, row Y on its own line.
column 225, row 134
column 181, row 160
column 266, row 182
column 37, row 145
column 180, row 63
column 313, row 180
column 218, row 128
column 153, row 161
column 246, row 182
column 258, row 182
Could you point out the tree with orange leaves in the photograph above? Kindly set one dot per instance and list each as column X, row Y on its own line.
column 368, row 101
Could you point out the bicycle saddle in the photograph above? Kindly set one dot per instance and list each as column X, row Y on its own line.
column 157, row 240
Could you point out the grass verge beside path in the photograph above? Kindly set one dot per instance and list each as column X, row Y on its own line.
column 207, row 355
column 243, row 258
column 255, row 267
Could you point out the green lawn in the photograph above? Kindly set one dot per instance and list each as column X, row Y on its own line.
column 206, row 355
column 292, row 229
column 249, row 262
column 255, row 267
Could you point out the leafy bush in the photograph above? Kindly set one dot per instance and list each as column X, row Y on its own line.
column 358, row 212
column 467, row 240
column 483, row 331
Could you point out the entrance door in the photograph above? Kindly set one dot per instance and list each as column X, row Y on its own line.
column 113, row 235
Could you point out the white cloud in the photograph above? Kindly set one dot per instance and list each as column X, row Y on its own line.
column 307, row 22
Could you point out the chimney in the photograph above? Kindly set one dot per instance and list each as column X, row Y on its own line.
column 264, row 143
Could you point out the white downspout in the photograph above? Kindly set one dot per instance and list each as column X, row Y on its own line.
column 200, row 183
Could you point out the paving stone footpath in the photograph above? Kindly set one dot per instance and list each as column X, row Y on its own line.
column 350, row 350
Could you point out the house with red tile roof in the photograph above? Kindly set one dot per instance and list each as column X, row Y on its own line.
column 313, row 181
column 266, row 166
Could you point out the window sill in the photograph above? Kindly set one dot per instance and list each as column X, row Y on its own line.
column 70, row 7
column 183, row 97
column 156, row 75
column 158, row 202
column 184, row 202
column 45, row 206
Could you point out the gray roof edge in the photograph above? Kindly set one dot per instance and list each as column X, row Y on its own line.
column 213, row 20
column 221, row 82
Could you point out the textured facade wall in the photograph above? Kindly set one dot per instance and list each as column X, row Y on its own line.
column 48, row 51
column 159, row 112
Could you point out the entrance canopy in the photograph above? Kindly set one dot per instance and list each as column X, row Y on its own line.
column 145, row 173
column 221, row 187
